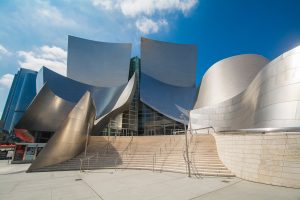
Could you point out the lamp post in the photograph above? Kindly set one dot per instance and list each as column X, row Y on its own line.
column 186, row 147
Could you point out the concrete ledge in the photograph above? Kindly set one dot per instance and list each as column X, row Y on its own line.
column 271, row 158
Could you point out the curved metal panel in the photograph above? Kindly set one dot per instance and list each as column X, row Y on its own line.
column 168, row 74
column 119, row 106
column 228, row 77
column 72, row 91
column 272, row 100
column 71, row 137
column 99, row 64
column 46, row 112
column 170, row 63
column 167, row 99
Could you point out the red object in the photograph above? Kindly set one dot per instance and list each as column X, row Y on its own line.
column 24, row 135
column 7, row 145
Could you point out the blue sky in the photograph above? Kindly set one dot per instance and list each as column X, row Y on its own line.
column 34, row 33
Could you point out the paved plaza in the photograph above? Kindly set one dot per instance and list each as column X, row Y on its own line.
column 110, row 184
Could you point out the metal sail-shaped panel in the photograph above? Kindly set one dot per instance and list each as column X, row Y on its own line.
column 71, row 137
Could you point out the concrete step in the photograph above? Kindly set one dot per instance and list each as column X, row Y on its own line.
column 168, row 152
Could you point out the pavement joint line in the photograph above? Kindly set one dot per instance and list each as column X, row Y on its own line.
column 222, row 188
column 94, row 191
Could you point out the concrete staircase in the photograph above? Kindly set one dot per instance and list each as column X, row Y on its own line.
column 157, row 153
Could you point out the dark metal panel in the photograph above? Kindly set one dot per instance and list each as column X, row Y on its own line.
column 170, row 63
column 96, row 63
column 71, row 137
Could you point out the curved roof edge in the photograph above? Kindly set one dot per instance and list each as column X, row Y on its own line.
column 271, row 100
column 164, row 61
column 228, row 77
column 94, row 63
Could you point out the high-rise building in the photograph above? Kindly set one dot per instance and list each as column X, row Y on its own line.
column 22, row 92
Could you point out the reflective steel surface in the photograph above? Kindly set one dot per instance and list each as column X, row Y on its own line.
column 71, row 137
column 272, row 100
column 170, row 63
column 96, row 63
column 46, row 112
column 169, row 100
column 72, row 91
column 168, row 74
column 119, row 106
column 228, row 77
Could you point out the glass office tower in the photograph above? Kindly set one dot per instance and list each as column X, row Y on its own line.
column 22, row 92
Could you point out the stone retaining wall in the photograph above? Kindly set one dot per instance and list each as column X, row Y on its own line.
column 271, row 158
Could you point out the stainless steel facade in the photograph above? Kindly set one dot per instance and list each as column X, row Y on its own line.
column 118, row 106
column 228, row 77
column 240, row 92
column 168, row 74
column 71, row 90
column 96, row 63
column 170, row 63
column 271, row 100
column 70, row 139
column 46, row 112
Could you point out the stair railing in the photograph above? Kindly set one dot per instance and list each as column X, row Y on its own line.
column 154, row 162
column 125, row 151
column 82, row 160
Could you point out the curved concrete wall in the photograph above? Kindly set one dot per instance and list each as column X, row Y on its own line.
column 228, row 77
column 99, row 64
column 168, row 74
column 272, row 100
column 272, row 158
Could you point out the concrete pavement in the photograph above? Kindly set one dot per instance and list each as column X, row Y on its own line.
column 131, row 184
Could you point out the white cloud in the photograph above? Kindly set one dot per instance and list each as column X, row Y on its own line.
column 146, row 7
column 53, row 57
column 6, row 80
column 149, row 7
column 44, row 12
column 143, row 11
column 146, row 25
column 106, row 4
column 4, row 51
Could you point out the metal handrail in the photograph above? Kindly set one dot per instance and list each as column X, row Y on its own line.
column 208, row 127
column 124, row 151
column 197, row 174
column 260, row 130
column 84, row 159
column 185, row 161
column 154, row 161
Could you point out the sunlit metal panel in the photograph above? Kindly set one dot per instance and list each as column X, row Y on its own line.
column 168, row 100
column 70, row 139
column 72, row 90
column 227, row 78
column 270, row 101
column 96, row 63
column 168, row 73
column 117, row 107
column 170, row 63
column 46, row 112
